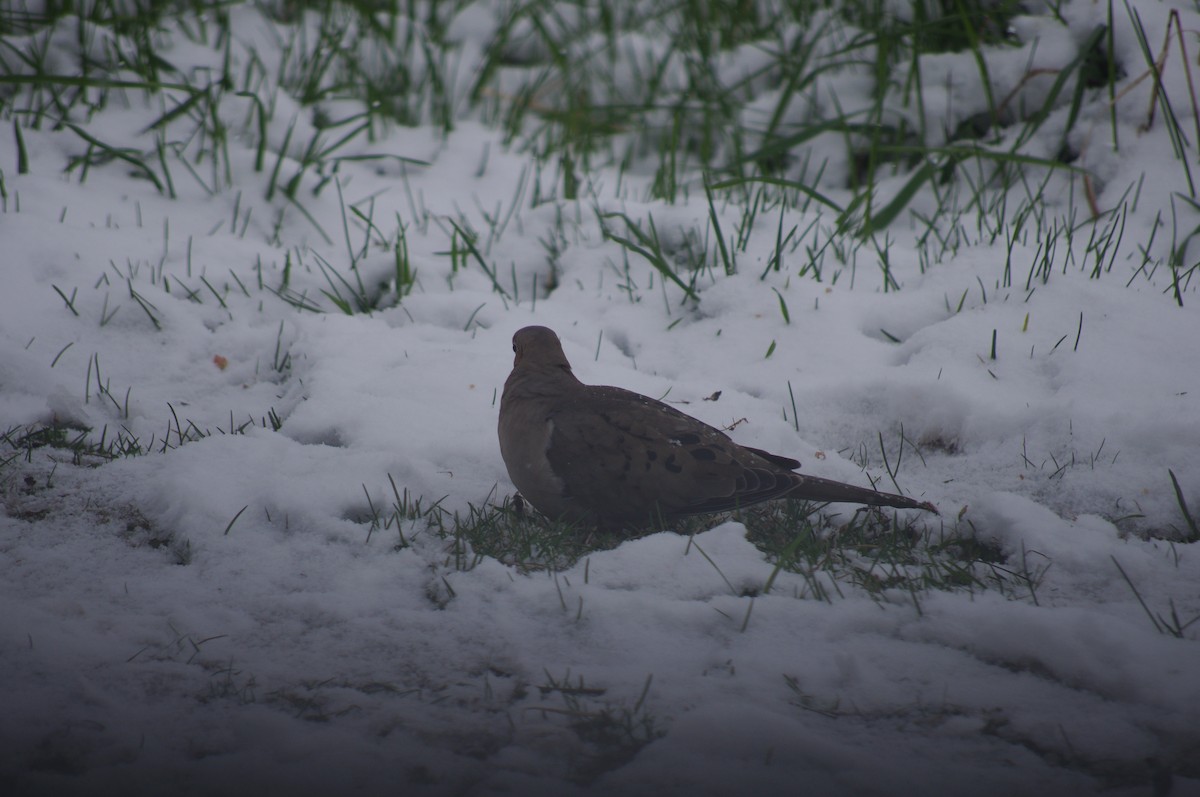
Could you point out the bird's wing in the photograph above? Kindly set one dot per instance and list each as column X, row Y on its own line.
column 622, row 456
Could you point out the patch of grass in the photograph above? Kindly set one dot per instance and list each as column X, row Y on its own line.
column 41, row 489
column 181, row 646
column 611, row 733
column 1171, row 623
column 407, row 514
column 646, row 244
column 1193, row 531
column 229, row 683
column 517, row 536
column 82, row 446
column 870, row 553
column 139, row 530
column 873, row 553
column 579, row 85
column 646, row 89
column 509, row 531
column 85, row 447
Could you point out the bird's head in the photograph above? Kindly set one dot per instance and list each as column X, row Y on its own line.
column 538, row 348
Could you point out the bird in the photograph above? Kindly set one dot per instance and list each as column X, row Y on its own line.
column 605, row 456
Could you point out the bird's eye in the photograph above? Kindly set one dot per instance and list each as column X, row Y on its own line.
column 514, row 347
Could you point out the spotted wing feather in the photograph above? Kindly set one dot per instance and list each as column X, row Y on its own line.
column 622, row 454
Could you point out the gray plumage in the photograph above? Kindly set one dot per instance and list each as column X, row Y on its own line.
column 605, row 455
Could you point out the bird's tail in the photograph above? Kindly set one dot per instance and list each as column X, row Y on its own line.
column 813, row 488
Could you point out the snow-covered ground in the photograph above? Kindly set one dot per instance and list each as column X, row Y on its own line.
column 218, row 615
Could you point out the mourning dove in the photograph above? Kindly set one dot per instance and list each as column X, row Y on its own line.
column 608, row 456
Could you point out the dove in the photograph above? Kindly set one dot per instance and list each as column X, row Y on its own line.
column 607, row 456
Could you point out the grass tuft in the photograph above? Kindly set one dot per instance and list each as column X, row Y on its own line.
column 1193, row 534
column 874, row 553
column 611, row 733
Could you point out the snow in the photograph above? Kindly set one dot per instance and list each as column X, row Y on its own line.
column 219, row 616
